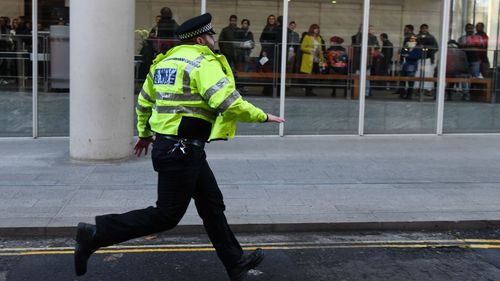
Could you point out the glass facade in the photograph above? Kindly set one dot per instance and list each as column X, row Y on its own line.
column 401, row 81
column 471, row 96
column 50, row 103
column 15, row 68
column 321, row 93
column 321, row 63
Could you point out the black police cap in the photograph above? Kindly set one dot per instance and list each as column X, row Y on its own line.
column 195, row 26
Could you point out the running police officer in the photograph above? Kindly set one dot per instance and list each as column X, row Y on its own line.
column 188, row 98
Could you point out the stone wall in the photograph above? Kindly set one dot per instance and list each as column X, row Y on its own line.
column 12, row 8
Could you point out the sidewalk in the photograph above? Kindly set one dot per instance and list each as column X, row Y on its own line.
column 269, row 184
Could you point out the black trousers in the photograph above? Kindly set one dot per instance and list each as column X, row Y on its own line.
column 180, row 178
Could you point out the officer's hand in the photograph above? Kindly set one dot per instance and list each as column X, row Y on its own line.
column 142, row 144
column 274, row 119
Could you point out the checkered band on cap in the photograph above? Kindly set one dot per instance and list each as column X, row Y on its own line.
column 196, row 32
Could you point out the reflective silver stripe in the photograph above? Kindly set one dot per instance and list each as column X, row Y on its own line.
column 195, row 63
column 228, row 101
column 143, row 109
column 150, row 75
column 186, row 81
column 178, row 97
column 199, row 59
column 186, row 109
column 146, row 96
column 215, row 88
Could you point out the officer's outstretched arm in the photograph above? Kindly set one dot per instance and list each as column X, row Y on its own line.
column 274, row 119
column 219, row 92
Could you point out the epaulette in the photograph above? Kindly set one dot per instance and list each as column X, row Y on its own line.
column 159, row 58
column 209, row 57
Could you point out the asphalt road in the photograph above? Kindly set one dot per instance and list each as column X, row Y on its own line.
column 289, row 257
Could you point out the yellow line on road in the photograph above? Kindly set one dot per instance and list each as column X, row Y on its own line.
column 269, row 244
column 110, row 247
column 481, row 240
column 485, row 246
column 173, row 248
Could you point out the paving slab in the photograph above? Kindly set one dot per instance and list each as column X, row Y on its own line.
column 269, row 183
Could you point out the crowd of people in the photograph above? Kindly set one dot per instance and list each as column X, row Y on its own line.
column 309, row 52
column 15, row 34
column 466, row 58
column 10, row 29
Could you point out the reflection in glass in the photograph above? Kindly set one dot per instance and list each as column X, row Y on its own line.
column 15, row 74
column 401, row 92
column 471, row 70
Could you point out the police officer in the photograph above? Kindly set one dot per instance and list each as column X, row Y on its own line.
column 188, row 99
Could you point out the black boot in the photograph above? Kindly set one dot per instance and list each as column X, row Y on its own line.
column 85, row 246
column 251, row 261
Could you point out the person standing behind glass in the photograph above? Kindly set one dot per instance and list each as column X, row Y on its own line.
column 457, row 66
column 312, row 54
column 387, row 52
column 408, row 32
column 337, row 60
column 483, row 53
column 293, row 47
column 150, row 48
column 373, row 47
column 227, row 40
column 166, row 30
column 373, row 50
column 411, row 54
column 471, row 44
column 244, row 46
column 268, row 40
column 154, row 31
column 166, row 25
column 386, row 62
column 426, row 65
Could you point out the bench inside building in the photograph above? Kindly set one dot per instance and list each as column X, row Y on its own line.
column 481, row 88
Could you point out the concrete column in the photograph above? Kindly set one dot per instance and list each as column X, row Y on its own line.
column 101, row 79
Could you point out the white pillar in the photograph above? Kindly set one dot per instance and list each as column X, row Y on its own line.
column 443, row 51
column 203, row 6
column 101, row 79
column 362, row 67
column 34, row 69
column 284, row 48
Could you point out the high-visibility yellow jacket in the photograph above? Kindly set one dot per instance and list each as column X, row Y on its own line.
column 190, row 80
